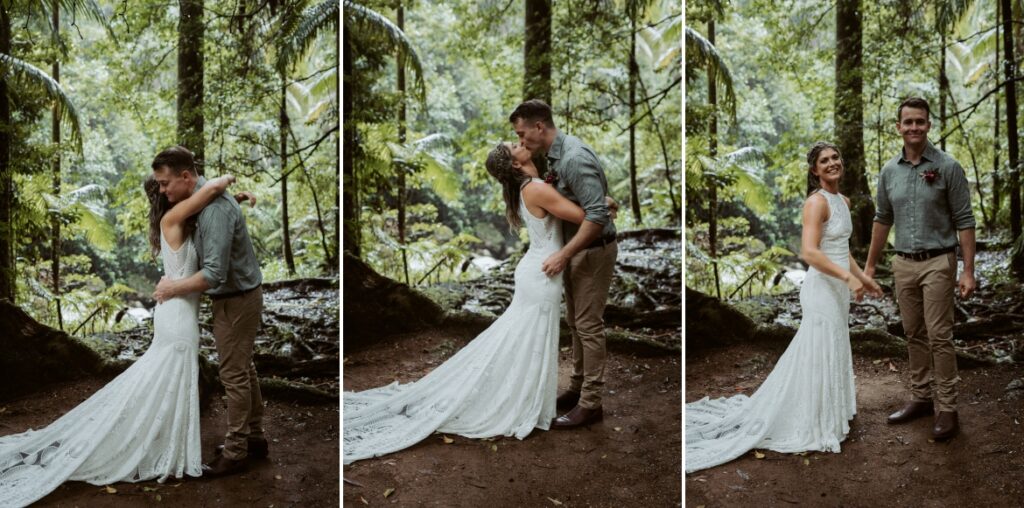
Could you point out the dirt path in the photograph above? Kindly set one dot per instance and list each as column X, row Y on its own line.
column 880, row 464
column 302, row 469
column 629, row 459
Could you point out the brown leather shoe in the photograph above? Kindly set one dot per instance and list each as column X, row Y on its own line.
column 258, row 448
column 577, row 417
column 222, row 466
column 947, row 425
column 912, row 411
column 567, row 400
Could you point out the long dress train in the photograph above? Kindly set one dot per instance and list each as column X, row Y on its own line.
column 806, row 402
column 143, row 425
column 503, row 383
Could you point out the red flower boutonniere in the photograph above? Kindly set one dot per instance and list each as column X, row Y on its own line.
column 930, row 175
column 551, row 178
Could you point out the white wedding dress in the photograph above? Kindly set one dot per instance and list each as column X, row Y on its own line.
column 806, row 402
column 142, row 425
column 503, row 383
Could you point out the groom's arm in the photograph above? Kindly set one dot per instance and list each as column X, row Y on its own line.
column 583, row 177
column 167, row 288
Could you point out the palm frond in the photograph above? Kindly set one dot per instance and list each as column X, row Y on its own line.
column 702, row 55
column 370, row 24
column 21, row 70
column 314, row 20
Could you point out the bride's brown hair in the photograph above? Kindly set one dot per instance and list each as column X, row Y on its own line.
column 499, row 165
column 158, row 206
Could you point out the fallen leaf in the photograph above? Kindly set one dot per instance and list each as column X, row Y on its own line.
column 447, row 440
column 807, row 462
column 758, row 454
column 111, row 490
column 494, row 447
column 158, row 498
column 555, row 502
column 148, row 489
column 604, row 456
column 277, row 477
column 363, row 499
column 389, row 492
column 617, row 429
column 876, row 362
column 892, row 367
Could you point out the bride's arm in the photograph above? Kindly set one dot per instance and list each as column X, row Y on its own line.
column 546, row 197
column 197, row 201
column 814, row 217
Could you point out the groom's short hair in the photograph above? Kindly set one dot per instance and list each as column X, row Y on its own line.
column 916, row 103
column 533, row 110
column 177, row 159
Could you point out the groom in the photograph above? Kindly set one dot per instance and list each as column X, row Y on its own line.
column 924, row 193
column 587, row 257
column 230, row 274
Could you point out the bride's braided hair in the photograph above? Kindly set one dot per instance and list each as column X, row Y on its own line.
column 813, row 183
column 499, row 165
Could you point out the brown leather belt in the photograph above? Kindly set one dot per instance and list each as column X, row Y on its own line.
column 602, row 241
column 235, row 293
column 925, row 254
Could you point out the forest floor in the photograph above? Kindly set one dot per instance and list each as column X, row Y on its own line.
column 632, row 458
column 880, row 464
column 302, row 469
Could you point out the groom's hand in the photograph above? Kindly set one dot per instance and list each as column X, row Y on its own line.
column 967, row 284
column 164, row 290
column 554, row 264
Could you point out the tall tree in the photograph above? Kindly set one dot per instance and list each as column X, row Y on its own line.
column 401, row 168
column 55, row 218
column 1010, row 71
column 713, row 152
column 6, row 174
column 849, row 116
column 537, row 51
column 635, row 9
column 191, row 32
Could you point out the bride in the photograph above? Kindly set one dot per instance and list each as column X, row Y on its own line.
column 808, row 399
column 144, row 424
column 504, row 382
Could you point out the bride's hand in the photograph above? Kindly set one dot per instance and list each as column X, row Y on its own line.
column 873, row 288
column 855, row 285
column 613, row 207
column 244, row 196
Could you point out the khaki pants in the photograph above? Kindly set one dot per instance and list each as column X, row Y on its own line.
column 587, row 279
column 924, row 290
column 235, row 323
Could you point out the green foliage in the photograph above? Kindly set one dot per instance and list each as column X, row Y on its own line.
column 118, row 77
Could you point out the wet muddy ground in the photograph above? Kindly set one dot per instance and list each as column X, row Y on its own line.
column 632, row 458
column 302, row 469
column 880, row 464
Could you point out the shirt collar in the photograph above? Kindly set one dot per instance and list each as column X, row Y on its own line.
column 200, row 181
column 930, row 153
column 555, row 152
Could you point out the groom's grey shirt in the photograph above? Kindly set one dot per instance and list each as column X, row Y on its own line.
column 226, row 256
column 581, row 179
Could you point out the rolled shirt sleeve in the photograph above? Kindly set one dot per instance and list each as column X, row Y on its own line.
column 583, row 177
column 960, row 199
column 216, row 225
column 883, row 207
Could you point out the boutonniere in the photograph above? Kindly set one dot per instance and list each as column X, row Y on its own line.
column 930, row 175
column 551, row 178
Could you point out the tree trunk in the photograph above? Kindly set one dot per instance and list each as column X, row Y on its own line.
column 401, row 140
column 1010, row 70
column 537, row 51
column 634, row 195
column 190, row 78
column 713, row 152
column 55, row 218
column 996, row 169
column 7, row 281
column 943, row 92
column 350, row 212
column 849, row 116
column 286, row 237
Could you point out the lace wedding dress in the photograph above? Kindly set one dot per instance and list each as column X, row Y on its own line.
column 808, row 399
column 142, row 425
column 503, row 383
